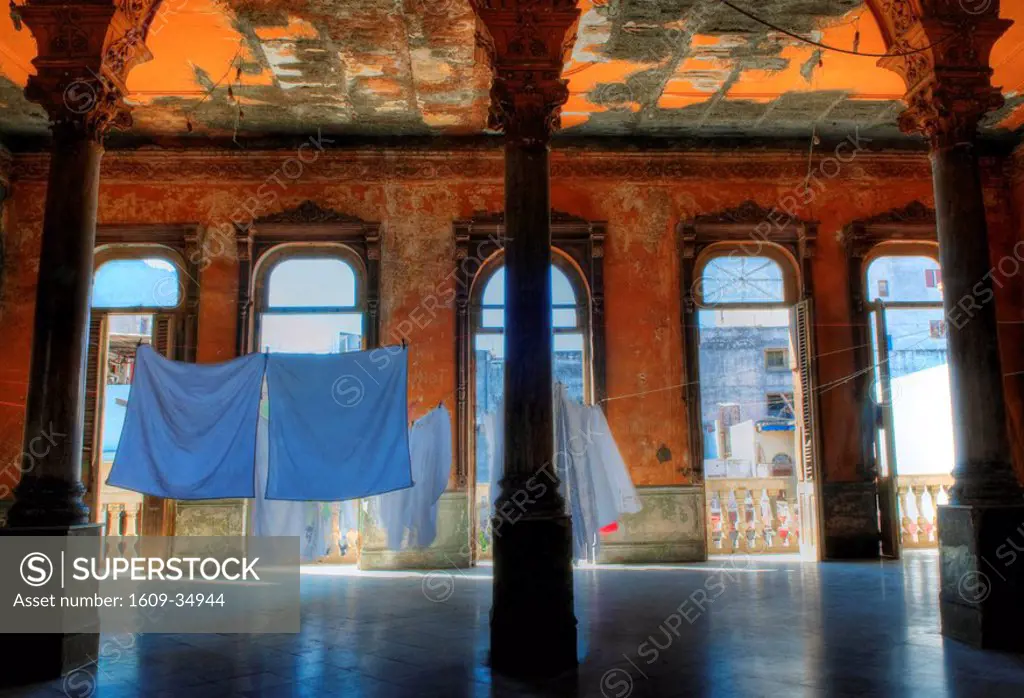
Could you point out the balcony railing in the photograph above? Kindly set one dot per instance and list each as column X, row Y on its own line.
column 122, row 519
column 752, row 515
column 919, row 498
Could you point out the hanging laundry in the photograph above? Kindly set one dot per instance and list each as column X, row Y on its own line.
column 303, row 520
column 415, row 509
column 338, row 425
column 190, row 429
column 599, row 488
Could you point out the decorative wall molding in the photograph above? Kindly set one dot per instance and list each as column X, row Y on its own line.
column 914, row 222
column 386, row 165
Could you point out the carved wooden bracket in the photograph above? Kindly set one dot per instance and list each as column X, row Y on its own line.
column 949, row 87
column 526, row 43
column 85, row 50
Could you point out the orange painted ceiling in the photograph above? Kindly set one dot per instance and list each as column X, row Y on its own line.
column 408, row 67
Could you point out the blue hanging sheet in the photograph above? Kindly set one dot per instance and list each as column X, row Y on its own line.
column 415, row 509
column 190, row 429
column 338, row 425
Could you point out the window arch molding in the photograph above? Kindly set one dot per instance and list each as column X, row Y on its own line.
column 306, row 231
column 577, row 249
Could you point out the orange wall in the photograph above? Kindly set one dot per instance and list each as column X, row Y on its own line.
column 642, row 198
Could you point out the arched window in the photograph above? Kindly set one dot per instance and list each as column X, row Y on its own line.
column 904, row 278
column 748, row 398
column 569, row 340
column 139, row 282
column 739, row 278
column 571, row 361
column 310, row 303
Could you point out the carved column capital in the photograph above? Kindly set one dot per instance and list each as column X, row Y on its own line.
column 85, row 50
column 526, row 43
column 941, row 49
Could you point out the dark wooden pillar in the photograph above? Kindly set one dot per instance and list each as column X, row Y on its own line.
column 50, row 490
column 983, row 465
column 533, row 626
column 948, row 91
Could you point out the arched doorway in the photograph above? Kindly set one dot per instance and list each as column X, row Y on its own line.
column 748, row 356
column 910, row 392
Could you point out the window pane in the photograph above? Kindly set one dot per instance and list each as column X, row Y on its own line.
column 493, row 317
column 905, row 278
column 136, row 283
column 494, row 291
column 312, row 283
column 314, row 333
column 561, row 289
column 740, row 278
column 563, row 317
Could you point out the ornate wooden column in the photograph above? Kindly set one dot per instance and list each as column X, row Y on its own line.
column 533, row 627
column 86, row 49
column 949, row 90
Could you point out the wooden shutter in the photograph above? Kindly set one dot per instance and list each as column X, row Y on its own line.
column 805, row 387
column 95, row 376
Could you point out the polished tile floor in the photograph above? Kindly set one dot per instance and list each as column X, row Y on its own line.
column 729, row 627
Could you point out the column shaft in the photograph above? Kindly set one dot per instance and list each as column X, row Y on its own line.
column 983, row 470
column 50, row 491
column 533, row 629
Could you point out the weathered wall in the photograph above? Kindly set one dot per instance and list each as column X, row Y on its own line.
column 416, row 196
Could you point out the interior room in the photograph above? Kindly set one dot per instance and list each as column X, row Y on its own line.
column 558, row 347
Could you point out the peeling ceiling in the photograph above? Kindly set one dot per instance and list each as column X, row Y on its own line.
column 674, row 68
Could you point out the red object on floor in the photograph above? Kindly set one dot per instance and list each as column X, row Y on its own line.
column 611, row 528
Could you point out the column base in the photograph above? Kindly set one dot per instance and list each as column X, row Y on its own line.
column 44, row 500
column 981, row 601
column 533, row 626
column 37, row 657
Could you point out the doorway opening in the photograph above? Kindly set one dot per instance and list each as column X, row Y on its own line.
column 751, row 365
column 133, row 303
column 910, row 389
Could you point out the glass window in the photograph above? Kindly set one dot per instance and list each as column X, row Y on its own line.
column 489, row 362
column 311, row 308
column 905, row 278
column 563, row 301
column 776, row 359
column 741, row 278
column 150, row 282
column 311, row 283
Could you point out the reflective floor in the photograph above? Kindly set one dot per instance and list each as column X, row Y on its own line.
column 731, row 627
